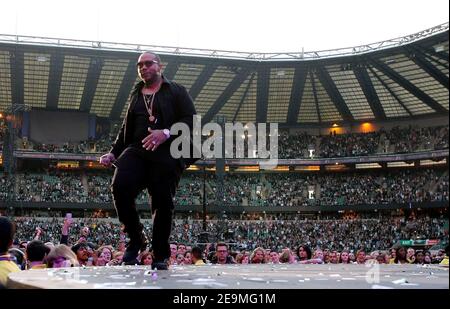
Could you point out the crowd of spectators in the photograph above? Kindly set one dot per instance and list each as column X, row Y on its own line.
column 398, row 186
column 404, row 140
column 51, row 187
column 377, row 232
column 293, row 146
column 101, row 144
column 5, row 187
column 356, row 188
column 298, row 145
column 349, row 145
column 100, row 242
column 440, row 138
column 68, row 147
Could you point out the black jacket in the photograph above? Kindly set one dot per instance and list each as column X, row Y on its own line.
column 176, row 106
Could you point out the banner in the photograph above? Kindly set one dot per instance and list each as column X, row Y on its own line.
column 419, row 242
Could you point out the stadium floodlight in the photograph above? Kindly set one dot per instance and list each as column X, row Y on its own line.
column 41, row 58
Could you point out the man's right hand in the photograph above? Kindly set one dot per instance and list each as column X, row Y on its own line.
column 107, row 159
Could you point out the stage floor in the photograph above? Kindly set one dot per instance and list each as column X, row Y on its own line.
column 264, row 276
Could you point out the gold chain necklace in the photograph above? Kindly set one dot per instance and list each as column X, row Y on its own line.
column 149, row 106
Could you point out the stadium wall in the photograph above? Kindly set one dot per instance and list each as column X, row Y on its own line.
column 56, row 127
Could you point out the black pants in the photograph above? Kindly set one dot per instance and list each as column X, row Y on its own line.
column 133, row 174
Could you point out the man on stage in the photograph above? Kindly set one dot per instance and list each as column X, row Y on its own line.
column 142, row 160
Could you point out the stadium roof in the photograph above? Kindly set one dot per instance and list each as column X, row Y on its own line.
column 401, row 78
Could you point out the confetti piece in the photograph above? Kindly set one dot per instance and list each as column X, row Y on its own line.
column 255, row 279
column 204, row 280
column 211, row 284
column 179, row 275
column 118, row 277
column 400, row 281
column 409, row 284
column 382, row 287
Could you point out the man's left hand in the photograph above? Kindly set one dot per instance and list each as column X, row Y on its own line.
column 154, row 139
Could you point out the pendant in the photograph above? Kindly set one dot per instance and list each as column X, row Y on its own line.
column 151, row 118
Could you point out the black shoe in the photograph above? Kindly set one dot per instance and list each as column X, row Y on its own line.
column 130, row 255
column 131, row 261
column 133, row 248
column 160, row 265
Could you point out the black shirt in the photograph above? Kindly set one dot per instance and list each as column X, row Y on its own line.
column 141, row 120
column 172, row 104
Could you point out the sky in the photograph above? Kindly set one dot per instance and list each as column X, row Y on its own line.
column 233, row 25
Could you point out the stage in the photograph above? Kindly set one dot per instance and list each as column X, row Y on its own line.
column 265, row 276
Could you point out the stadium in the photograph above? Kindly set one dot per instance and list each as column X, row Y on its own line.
column 362, row 173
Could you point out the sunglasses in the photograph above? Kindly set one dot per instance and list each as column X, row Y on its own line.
column 147, row 63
